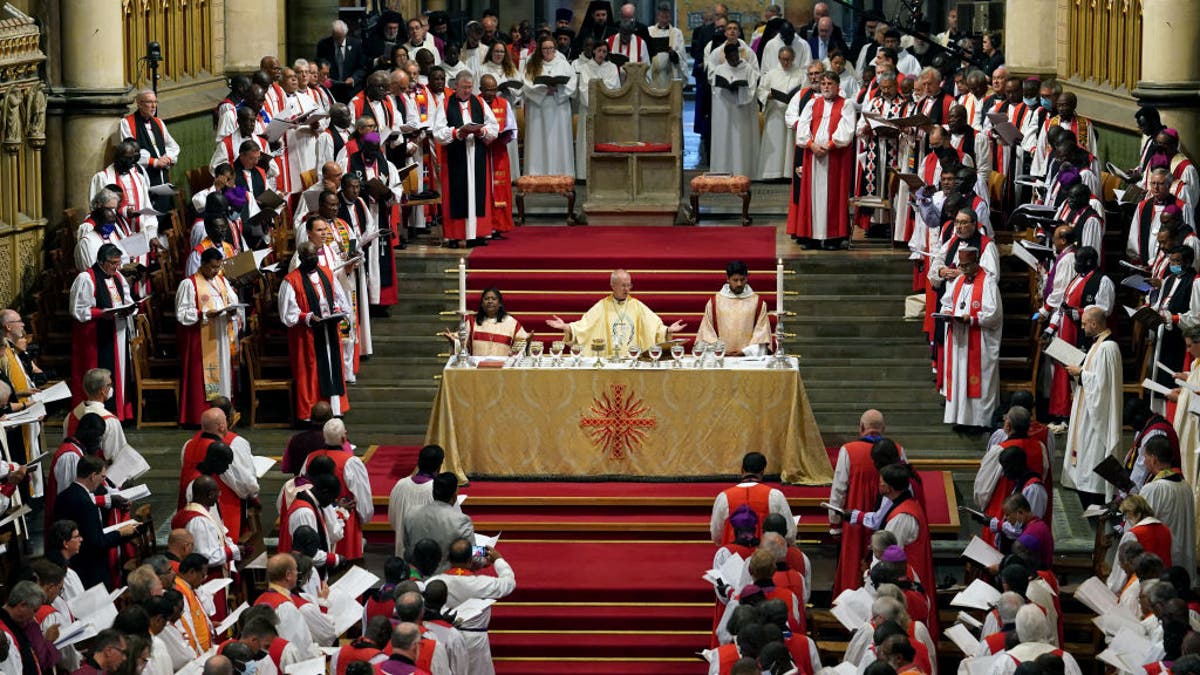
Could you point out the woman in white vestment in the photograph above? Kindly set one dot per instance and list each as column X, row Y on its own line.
column 500, row 65
column 778, row 146
column 850, row 80
column 734, row 116
column 492, row 331
column 548, row 113
column 596, row 68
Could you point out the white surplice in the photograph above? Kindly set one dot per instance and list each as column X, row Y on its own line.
column 1175, row 505
column 444, row 135
column 548, row 122
column 734, row 121
column 609, row 77
column 188, row 313
column 960, row 408
column 662, row 71
column 777, row 148
column 842, row 136
column 1095, row 428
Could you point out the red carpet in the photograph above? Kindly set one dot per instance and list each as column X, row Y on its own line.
column 630, row 247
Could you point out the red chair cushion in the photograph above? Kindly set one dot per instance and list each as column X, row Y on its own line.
column 706, row 184
column 633, row 147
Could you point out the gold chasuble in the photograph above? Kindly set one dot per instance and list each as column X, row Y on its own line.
column 614, row 322
column 739, row 320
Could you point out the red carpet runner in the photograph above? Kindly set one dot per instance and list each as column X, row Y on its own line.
column 608, row 574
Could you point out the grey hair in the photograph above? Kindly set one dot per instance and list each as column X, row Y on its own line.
column 339, row 26
column 930, row 70
column 1162, row 172
column 334, row 431
column 464, row 75
column 363, row 121
column 886, row 76
column 775, row 544
column 104, row 196
column 144, row 93
column 26, row 593
column 891, row 609
column 94, row 379
column 1008, row 605
column 300, row 63
column 890, row 591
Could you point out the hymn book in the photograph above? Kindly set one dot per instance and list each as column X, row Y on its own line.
column 963, row 639
column 978, row 595
column 551, row 80
column 720, row 81
column 128, row 465
column 1129, row 650
column 1065, row 353
column 1116, row 171
column 618, row 60
column 1146, row 316
column 1005, row 131
column 95, row 605
column 785, row 97
column 852, row 608
column 983, row 553
column 77, row 632
column 164, row 190
column 1115, row 473
column 968, row 620
column 1097, row 596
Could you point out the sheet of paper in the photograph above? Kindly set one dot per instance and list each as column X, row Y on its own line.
column 134, row 493
column 1096, row 594
column 1150, row 385
column 129, row 465
column 231, row 620
column 1186, row 386
column 1136, row 268
column 135, row 245
column 262, row 465
column 1134, row 647
column 471, row 608
column 1160, row 365
column 1064, row 352
column 114, row 528
column 1032, row 246
column 1023, row 254
column 95, row 606
column 969, row 620
column 310, row 667
column 29, row 415
column 355, row 582
column 963, row 639
column 458, row 501
column 164, row 190
column 77, row 632
column 983, row 553
column 484, row 540
column 978, row 595
column 1115, row 622
column 259, row 563
column 344, row 610
column 276, row 129
column 23, row 510
column 55, row 392
column 849, row 616
column 211, row 588
column 1116, row 171
column 1094, row 511
column 830, row 507
column 731, row 570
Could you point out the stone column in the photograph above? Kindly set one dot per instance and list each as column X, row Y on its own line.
column 95, row 93
column 1171, row 65
column 244, row 48
column 1030, row 40
column 307, row 22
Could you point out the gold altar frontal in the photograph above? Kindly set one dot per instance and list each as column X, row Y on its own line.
column 618, row 422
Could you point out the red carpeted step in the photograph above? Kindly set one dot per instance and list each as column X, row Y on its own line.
column 633, row 247
column 663, row 303
column 580, row 643
column 763, row 281
column 603, row 616
column 613, row 666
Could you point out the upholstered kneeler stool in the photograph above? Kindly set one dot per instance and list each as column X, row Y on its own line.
column 734, row 185
column 559, row 185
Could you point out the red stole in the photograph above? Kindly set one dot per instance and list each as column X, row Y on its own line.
column 974, row 340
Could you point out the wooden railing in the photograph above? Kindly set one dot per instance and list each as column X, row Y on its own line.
column 184, row 30
column 1104, row 43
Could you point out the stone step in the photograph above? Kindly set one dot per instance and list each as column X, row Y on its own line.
column 870, row 326
column 895, row 370
column 396, row 391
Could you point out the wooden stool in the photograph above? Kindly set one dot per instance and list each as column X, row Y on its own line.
column 561, row 185
column 735, row 185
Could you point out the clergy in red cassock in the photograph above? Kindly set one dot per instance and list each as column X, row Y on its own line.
column 102, row 304
column 217, row 459
column 213, row 430
column 468, row 128
column 355, row 484
column 825, row 132
column 906, row 519
column 311, row 306
column 499, row 165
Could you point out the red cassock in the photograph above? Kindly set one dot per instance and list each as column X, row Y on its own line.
column 351, row 544
column 501, row 172
column 302, row 502
column 228, row 501
column 95, row 345
column 191, row 359
column 460, row 168
column 920, row 554
column 316, row 374
column 840, row 162
column 862, row 494
column 1155, row 537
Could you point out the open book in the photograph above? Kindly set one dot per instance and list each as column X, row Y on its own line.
column 1065, row 353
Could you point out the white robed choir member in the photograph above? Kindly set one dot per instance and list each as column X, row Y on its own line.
column 500, row 66
column 972, row 379
column 777, row 149
column 770, row 60
column 1170, row 496
column 548, row 114
column 1095, row 426
column 596, row 68
column 734, row 116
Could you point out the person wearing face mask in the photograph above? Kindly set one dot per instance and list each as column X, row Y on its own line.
column 1095, row 426
column 311, row 306
column 1020, row 520
column 1079, row 212
column 1178, row 302
column 126, row 173
column 1009, row 468
column 1003, row 521
column 1081, row 129
column 102, row 226
column 737, row 316
column 974, row 318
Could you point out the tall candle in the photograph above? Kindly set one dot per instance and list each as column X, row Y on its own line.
column 779, row 286
column 462, row 286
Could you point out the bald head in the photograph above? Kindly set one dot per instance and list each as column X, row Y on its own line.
column 398, row 82
column 204, row 490
column 180, row 543
column 871, row 422
column 212, row 421
column 279, row 566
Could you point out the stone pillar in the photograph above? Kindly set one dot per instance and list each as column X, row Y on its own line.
column 95, row 93
column 244, row 48
column 1030, row 40
column 307, row 22
column 1171, row 65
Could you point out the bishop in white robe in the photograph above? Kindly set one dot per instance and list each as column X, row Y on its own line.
column 616, row 320
column 1095, row 427
column 972, row 380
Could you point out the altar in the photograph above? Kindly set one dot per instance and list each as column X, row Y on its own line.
column 621, row 422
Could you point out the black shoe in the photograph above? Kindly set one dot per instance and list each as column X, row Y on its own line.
column 497, row 235
column 481, row 241
column 403, row 244
column 453, row 244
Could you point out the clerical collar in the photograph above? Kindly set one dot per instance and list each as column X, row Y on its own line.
column 620, row 301
column 746, row 292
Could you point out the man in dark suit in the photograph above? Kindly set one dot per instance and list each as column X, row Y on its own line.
column 347, row 61
column 824, row 39
column 820, row 11
column 78, row 503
